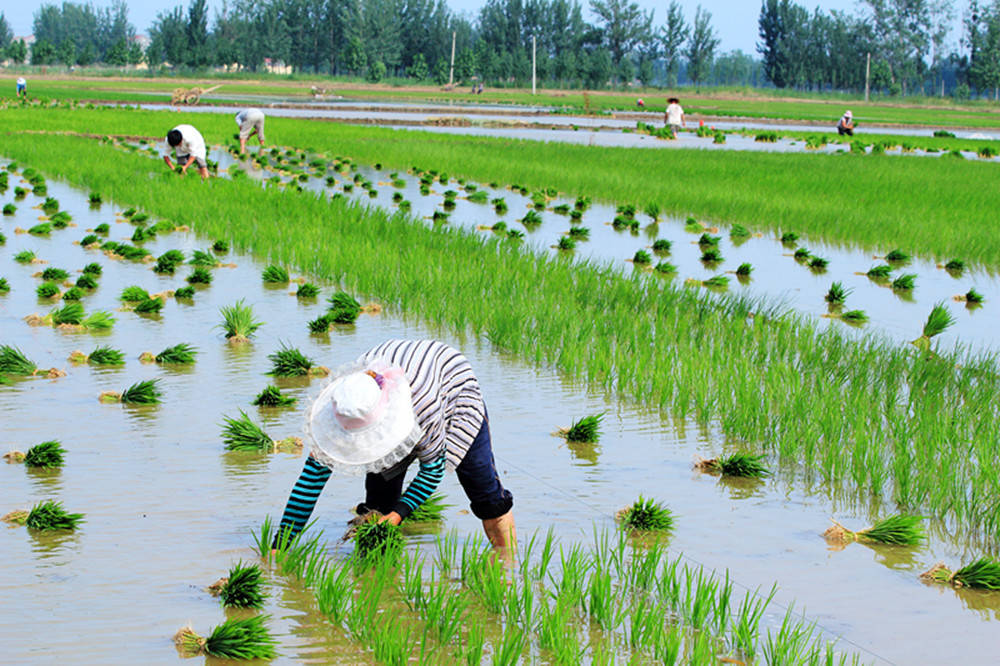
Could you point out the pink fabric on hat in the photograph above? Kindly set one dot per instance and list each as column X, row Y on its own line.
column 390, row 377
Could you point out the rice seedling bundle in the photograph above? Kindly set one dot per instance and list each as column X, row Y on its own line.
column 233, row 639
column 855, row 316
column 275, row 274
column 94, row 197
column 375, row 539
column 431, row 511
column 897, row 256
column 203, row 258
column 938, row 321
column 9, row 209
column 179, row 354
column 243, row 587
column 50, row 205
column 131, row 252
column 134, row 294
column 665, row 268
column 642, row 258
column 41, row 229
column 646, row 515
column 320, row 324
column 54, row 274
column 4, row 285
column 801, row 254
column 220, row 246
column 61, row 220
column 290, row 362
column 561, row 209
column 51, row 515
column 243, row 434
column 531, row 219
column 98, row 320
column 880, row 272
column 582, row 203
column 837, row 295
column 818, row 263
column 102, row 228
column 106, row 356
column 499, row 205
column 14, row 362
column 89, row 239
column 904, row 282
column 515, row 234
column 971, row 296
column 344, row 309
column 711, row 256
column 744, row 270
column 566, row 243
column 575, row 215
column 146, row 392
column 20, row 192
column 271, row 396
column 148, row 306
column 983, row 573
column 439, row 216
column 579, row 233
column 955, row 266
column 199, row 276
column 585, row 430
column 789, row 237
column 186, row 293
column 139, row 218
column 739, row 231
column 736, row 464
column 47, row 455
column 307, row 290
column 716, row 281
column 707, row 240
column 128, row 212
column 24, row 257
column 479, row 197
column 3, row 239
column 47, row 290
column 653, row 210
column 898, row 529
column 238, row 321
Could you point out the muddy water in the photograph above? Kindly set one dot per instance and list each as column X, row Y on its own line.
column 899, row 315
column 168, row 511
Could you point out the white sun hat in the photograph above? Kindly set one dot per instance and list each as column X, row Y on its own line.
column 362, row 420
column 847, row 113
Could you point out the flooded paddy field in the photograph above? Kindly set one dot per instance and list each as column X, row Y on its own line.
column 168, row 510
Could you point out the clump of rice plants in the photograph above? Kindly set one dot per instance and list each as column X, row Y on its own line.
column 98, row 320
column 243, row 587
column 665, row 268
column 897, row 256
column 377, row 539
column 203, row 258
column 20, row 192
column 646, row 515
column 54, row 274
column 50, row 515
column 290, row 362
column 24, row 257
column 653, row 210
column 717, row 281
column 94, row 198
column 738, row 231
column 802, row 254
column 880, row 272
column 246, row 638
column 275, row 275
column 179, row 354
column 238, row 321
column 439, row 216
column 642, row 258
column 938, row 321
column 148, row 306
column 134, row 294
column 837, row 295
column 142, row 234
column 561, row 209
column 711, row 256
column 307, row 290
column 818, row 263
column 131, row 252
column 14, row 362
column 93, row 268
column 89, row 240
column 4, row 285
column 41, row 229
column 499, row 205
column 854, row 316
column 983, row 574
column 708, row 240
column 479, row 197
column 566, row 243
column 199, row 276
column 971, row 297
column 47, row 290
column 272, row 396
column 899, row 530
column 102, row 228
column 220, row 246
column 9, row 209
column 71, row 313
column 344, row 309
column 582, row 203
column 186, row 293
column 139, row 218
column 956, row 266
column 515, row 235
column 586, row 430
column 106, row 356
column 431, row 511
column 744, row 270
column 243, row 434
column 531, row 219
column 579, row 233
column 50, row 205
column 146, row 392
column 736, row 464
column 662, row 246
column 904, row 282
column 47, row 455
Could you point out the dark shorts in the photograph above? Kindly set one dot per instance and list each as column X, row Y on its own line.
column 845, row 130
column 477, row 473
column 198, row 162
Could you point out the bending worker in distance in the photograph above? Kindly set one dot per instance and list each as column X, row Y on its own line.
column 846, row 124
column 251, row 121
column 189, row 146
column 401, row 401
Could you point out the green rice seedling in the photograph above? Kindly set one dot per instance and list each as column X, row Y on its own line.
column 642, row 258
column 54, row 274
column 987, row 152
column 448, row 194
column 579, row 233
column 14, row 362
column 789, row 238
column 585, row 430
column 93, row 268
column 479, row 197
column 802, row 254
column 880, row 272
column 179, row 354
column 71, row 313
column 561, row 209
column 243, row 587
column 99, row 320
column 904, row 282
column 837, row 295
column 73, row 294
column 515, row 235
column 654, row 211
column 566, row 243
column 202, row 258
column 344, row 309
column 983, row 573
column 431, row 511
column 61, row 220
column 50, row 515
column 4, row 285
column 246, row 638
column 575, row 215
column 897, row 256
column 134, row 294
column 243, row 434
column 499, row 227
column 736, row 464
column 103, row 228
column 665, row 268
column 50, row 205
column 307, row 290
column 165, row 266
column 405, row 206
column 199, row 275
column 818, row 263
column 128, row 212
column 139, row 218
column 938, row 321
column 620, row 222
column 238, row 321
column 41, row 229
column 131, row 252
column 220, row 246
column 142, row 234
column 531, row 219
column 186, row 293
column 899, row 530
column 744, row 270
column 106, row 356
column 397, row 197
column 9, row 209
column 89, row 239
column 499, row 205
column 47, row 455
column 662, row 246
column 94, row 198
column 971, row 296
column 646, row 515
column 47, row 290
column 707, row 240
column 582, row 203
column 376, row 539
column 86, row 281
column 20, row 192
column 738, row 231
column 148, row 306
column 275, row 274
column 271, row 396
column 711, row 255
column 3, row 239
column 146, row 392
column 717, row 281
column 24, row 257
column 855, row 316
column 290, row 362
column 955, row 266
column 439, row 216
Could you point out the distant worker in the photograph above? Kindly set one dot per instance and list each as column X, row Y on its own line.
column 674, row 117
column 189, row 147
column 22, row 87
column 641, row 104
column 250, row 121
column 846, row 124
column 479, row 90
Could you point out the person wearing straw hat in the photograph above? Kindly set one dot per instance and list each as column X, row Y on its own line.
column 401, row 401
column 251, row 121
column 846, row 124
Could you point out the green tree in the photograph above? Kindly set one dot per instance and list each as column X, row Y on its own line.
column 600, row 68
column 198, row 53
column 87, row 55
column 465, row 65
column 441, row 72
column 135, row 54
column 43, row 53
column 376, row 72
column 66, row 53
column 17, row 51
column 418, row 68
column 673, row 33
column 117, row 54
column 903, row 32
column 168, row 38
column 624, row 25
column 354, row 58
column 6, row 35
column 701, row 46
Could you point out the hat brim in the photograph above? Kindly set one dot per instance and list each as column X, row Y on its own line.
column 373, row 449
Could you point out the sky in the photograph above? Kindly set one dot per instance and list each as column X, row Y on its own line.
column 735, row 20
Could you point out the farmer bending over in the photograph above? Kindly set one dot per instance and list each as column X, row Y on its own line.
column 674, row 116
column 846, row 124
column 189, row 145
column 250, row 121
column 402, row 401
column 22, row 87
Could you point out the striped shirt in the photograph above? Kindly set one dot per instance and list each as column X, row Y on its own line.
column 447, row 400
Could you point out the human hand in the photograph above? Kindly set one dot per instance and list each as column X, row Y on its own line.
column 391, row 517
column 184, row 170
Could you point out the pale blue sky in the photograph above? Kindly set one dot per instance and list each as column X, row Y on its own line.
column 735, row 20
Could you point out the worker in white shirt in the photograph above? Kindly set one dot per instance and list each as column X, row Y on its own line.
column 189, row 146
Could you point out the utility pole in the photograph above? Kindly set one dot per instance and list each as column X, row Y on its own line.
column 451, row 70
column 532, row 64
column 868, row 72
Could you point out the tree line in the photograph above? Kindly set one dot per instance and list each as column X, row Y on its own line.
column 897, row 46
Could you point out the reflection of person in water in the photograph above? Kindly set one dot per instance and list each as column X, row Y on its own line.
column 846, row 124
